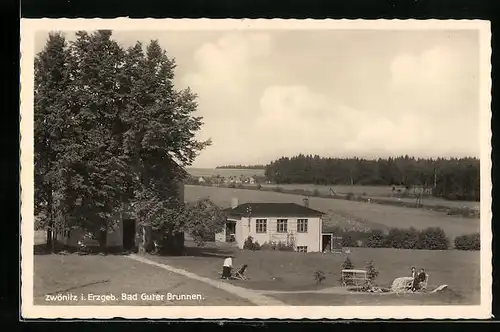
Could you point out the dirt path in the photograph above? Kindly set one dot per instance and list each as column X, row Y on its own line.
column 256, row 297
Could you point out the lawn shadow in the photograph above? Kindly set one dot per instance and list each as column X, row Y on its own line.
column 209, row 249
column 43, row 249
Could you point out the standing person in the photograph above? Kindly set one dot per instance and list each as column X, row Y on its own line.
column 413, row 276
column 227, row 266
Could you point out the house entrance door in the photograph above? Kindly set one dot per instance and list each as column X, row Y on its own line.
column 128, row 234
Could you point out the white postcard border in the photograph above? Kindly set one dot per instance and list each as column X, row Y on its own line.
column 28, row 310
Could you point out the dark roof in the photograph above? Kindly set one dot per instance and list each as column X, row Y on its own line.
column 273, row 210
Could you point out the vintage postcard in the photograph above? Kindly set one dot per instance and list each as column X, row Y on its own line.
column 321, row 169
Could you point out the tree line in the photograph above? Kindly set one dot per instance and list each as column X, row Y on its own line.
column 450, row 178
column 241, row 167
column 110, row 131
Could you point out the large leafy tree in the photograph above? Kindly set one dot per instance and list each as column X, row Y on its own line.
column 50, row 121
column 125, row 132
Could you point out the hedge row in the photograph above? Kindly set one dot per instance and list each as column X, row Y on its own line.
column 432, row 238
column 468, row 242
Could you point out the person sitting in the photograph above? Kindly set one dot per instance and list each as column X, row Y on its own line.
column 226, row 267
column 420, row 278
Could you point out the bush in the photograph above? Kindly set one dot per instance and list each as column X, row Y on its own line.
column 376, row 239
column 283, row 246
column 468, row 242
column 319, row 276
column 250, row 245
column 402, row 238
column 348, row 240
column 347, row 265
column 371, row 271
column 266, row 246
column 433, row 238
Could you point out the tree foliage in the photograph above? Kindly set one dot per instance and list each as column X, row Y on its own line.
column 110, row 130
column 454, row 178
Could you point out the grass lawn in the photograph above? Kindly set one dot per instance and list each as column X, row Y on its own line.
column 376, row 214
column 290, row 271
column 83, row 275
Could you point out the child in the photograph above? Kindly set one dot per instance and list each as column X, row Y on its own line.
column 227, row 266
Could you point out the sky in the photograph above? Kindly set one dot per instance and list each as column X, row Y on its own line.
column 335, row 93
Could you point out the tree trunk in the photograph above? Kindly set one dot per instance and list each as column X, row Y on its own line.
column 103, row 237
column 50, row 216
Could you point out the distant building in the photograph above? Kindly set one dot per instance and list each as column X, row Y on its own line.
column 123, row 235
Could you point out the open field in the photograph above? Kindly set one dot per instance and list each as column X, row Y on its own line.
column 390, row 216
column 379, row 192
column 83, row 275
column 224, row 172
column 291, row 271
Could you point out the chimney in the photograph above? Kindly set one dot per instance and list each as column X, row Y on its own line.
column 234, row 202
column 306, row 202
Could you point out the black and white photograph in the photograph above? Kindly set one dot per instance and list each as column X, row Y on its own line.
column 255, row 169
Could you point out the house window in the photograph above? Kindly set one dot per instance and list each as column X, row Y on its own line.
column 302, row 248
column 282, row 226
column 302, row 225
column 261, row 226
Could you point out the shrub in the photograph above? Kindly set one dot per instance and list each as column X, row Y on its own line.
column 402, row 238
column 468, row 242
column 283, row 246
column 433, row 238
column 319, row 276
column 376, row 239
column 248, row 244
column 371, row 271
column 348, row 240
column 347, row 264
column 409, row 238
column 266, row 246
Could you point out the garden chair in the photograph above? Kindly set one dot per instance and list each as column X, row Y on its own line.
column 240, row 274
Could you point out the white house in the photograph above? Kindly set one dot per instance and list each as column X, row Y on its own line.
column 274, row 222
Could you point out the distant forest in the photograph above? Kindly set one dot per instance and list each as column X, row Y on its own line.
column 241, row 167
column 453, row 178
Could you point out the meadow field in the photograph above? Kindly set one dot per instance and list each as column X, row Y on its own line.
column 376, row 214
column 282, row 273
column 379, row 192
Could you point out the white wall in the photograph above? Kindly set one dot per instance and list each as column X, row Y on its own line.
column 311, row 239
